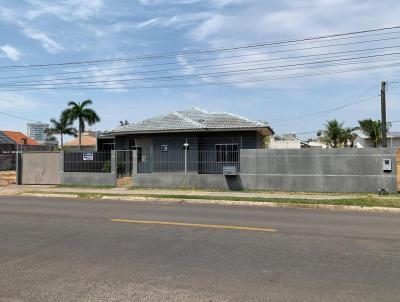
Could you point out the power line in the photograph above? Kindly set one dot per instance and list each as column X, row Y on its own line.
column 329, row 110
column 44, row 83
column 240, row 55
column 323, row 113
column 328, row 55
column 206, row 51
column 17, row 116
column 247, row 81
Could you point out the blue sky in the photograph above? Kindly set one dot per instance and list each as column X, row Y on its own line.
column 39, row 31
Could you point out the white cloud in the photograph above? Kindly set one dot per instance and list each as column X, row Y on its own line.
column 66, row 10
column 49, row 44
column 168, row 2
column 11, row 52
column 177, row 21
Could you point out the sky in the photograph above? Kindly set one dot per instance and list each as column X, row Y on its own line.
column 45, row 32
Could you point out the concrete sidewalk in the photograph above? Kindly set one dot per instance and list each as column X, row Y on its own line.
column 16, row 190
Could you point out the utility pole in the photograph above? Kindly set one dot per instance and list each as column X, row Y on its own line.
column 383, row 114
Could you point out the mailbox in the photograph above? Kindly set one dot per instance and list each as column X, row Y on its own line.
column 229, row 170
column 387, row 165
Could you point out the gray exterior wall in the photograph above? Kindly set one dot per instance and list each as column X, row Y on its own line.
column 318, row 170
column 301, row 170
column 88, row 179
column 153, row 160
column 189, row 181
column 40, row 168
column 205, row 140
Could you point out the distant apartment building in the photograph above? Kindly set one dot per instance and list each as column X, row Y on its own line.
column 38, row 131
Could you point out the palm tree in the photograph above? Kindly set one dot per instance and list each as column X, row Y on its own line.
column 373, row 129
column 349, row 136
column 79, row 111
column 63, row 126
column 333, row 135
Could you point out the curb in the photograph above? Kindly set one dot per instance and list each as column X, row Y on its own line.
column 49, row 195
column 257, row 204
column 229, row 202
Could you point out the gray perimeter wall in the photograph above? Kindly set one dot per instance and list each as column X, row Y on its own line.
column 40, row 168
column 46, row 168
column 88, row 179
column 301, row 170
column 318, row 170
column 182, row 180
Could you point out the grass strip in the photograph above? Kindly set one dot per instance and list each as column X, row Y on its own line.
column 361, row 201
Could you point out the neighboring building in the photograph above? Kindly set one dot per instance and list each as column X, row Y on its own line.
column 15, row 137
column 287, row 141
column 88, row 142
column 218, row 135
column 10, row 142
column 363, row 141
column 315, row 143
column 38, row 131
column 290, row 141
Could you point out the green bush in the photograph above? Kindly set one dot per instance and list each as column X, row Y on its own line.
column 107, row 166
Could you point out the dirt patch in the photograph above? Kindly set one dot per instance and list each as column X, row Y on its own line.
column 7, row 178
column 125, row 182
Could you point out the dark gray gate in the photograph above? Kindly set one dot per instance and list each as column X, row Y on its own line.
column 124, row 163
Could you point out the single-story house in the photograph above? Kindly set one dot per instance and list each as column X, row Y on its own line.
column 88, row 142
column 211, row 138
column 363, row 141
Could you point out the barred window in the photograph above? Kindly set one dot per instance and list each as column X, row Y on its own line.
column 227, row 153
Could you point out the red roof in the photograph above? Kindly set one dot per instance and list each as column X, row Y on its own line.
column 18, row 137
column 86, row 140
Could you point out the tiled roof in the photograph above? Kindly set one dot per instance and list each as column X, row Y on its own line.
column 86, row 140
column 17, row 137
column 191, row 119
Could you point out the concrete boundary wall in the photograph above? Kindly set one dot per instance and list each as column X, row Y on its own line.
column 47, row 168
column 318, row 170
column 88, row 179
column 301, row 170
column 40, row 168
column 189, row 181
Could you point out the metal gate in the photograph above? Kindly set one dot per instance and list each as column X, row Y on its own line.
column 124, row 163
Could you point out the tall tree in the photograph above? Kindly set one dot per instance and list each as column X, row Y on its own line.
column 79, row 111
column 372, row 128
column 348, row 136
column 333, row 134
column 63, row 126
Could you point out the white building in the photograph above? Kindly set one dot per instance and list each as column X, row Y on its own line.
column 38, row 131
column 287, row 141
column 363, row 141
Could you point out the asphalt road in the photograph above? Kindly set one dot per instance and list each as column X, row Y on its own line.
column 70, row 250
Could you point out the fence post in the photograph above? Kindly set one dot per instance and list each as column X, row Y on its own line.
column 186, row 146
column 61, row 163
column 134, row 162
column 114, row 165
column 18, row 167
